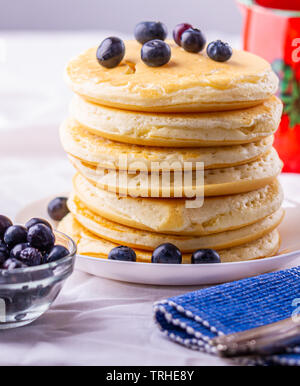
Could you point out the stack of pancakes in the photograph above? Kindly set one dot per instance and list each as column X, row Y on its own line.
column 128, row 123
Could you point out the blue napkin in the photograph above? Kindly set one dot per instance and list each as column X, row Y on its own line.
column 194, row 318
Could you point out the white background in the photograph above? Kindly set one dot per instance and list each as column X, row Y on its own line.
column 119, row 15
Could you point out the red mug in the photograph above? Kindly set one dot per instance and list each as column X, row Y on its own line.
column 274, row 34
column 280, row 4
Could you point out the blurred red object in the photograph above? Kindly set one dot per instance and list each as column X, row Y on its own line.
column 293, row 5
column 275, row 35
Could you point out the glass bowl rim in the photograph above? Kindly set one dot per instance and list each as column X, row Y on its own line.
column 54, row 264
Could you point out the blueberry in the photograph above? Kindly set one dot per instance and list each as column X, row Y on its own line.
column 3, row 249
column 17, row 249
column 150, row 30
column 3, row 257
column 20, row 317
column 41, row 237
column 166, row 254
column 193, row 40
column 31, row 257
column 57, row 208
column 219, row 51
column 15, row 234
column 111, row 52
column 179, row 30
column 20, row 302
column 205, row 256
column 10, row 264
column 4, row 224
column 56, row 253
column 122, row 253
column 35, row 221
column 41, row 291
column 4, row 253
column 156, row 53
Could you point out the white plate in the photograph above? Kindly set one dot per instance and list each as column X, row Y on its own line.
column 185, row 274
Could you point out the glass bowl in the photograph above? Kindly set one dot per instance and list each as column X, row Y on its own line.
column 26, row 293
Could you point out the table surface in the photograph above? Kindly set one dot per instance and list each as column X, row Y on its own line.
column 94, row 321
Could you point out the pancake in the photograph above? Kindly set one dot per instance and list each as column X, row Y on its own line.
column 217, row 182
column 141, row 239
column 91, row 245
column 171, row 216
column 105, row 153
column 179, row 130
column 189, row 82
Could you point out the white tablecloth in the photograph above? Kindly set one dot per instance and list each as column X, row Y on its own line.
column 94, row 321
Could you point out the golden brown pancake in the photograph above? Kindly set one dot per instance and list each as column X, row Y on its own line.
column 104, row 153
column 91, row 245
column 179, row 130
column 140, row 239
column 217, row 182
column 173, row 216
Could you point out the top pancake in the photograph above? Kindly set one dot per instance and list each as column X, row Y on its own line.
column 188, row 83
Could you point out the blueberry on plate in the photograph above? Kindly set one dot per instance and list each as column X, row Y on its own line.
column 193, row 40
column 5, row 223
column 111, row 52
column 166, row 254
column 219, row 51
column 179, row 30
column 35, row 221
column 15, row 234
column 41, row 237
column 11, row 264
column 155, row 53
column 150, row 30
column 31, row 257
column 56, row 253
column 205, row 256
column 17, row 249
column 122, row 253
column 57, row 208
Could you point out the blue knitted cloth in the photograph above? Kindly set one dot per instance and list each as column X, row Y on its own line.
column 194, row 318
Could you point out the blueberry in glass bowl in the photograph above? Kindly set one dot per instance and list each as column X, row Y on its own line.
column 31, row 279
